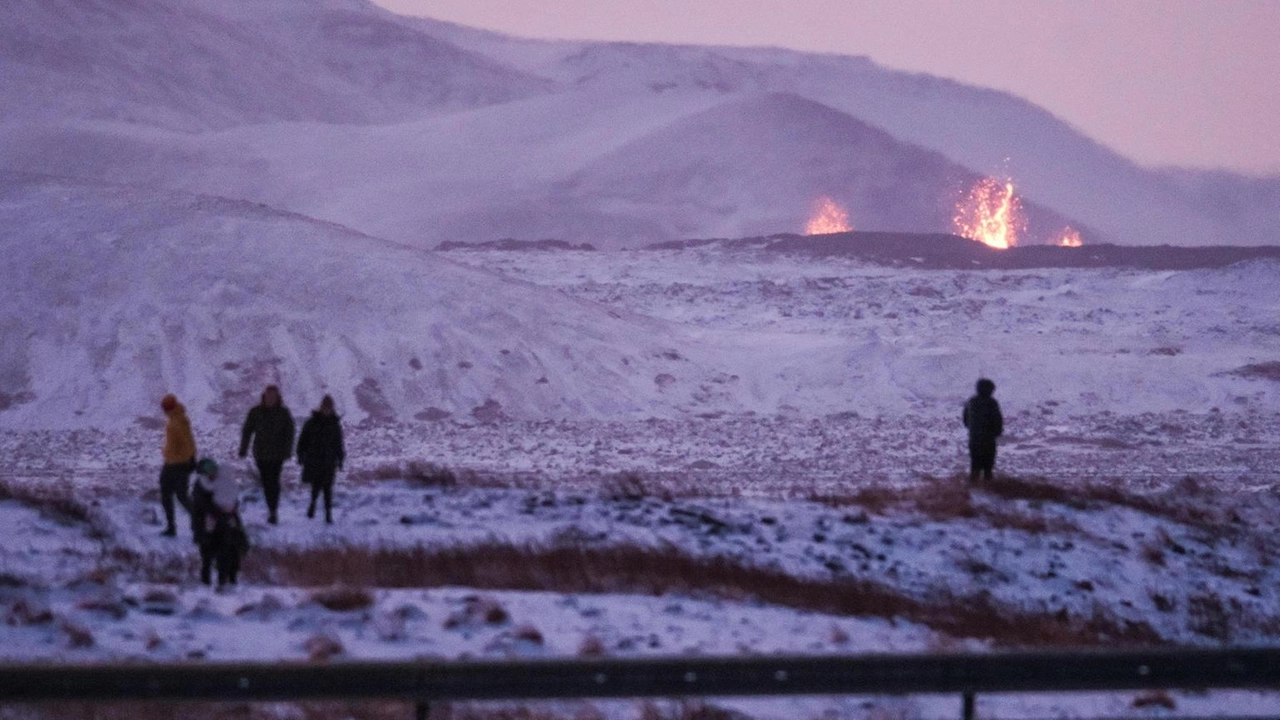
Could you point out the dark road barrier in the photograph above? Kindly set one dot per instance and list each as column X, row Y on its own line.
column 425, row 682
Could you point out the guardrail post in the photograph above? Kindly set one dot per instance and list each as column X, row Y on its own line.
column 966, row 706
column 421, row 710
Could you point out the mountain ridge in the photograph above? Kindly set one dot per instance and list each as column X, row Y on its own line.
column 192, row 96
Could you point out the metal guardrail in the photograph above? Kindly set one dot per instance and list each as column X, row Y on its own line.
column 426, row 682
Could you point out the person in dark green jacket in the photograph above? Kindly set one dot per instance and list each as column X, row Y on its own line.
column 270, row 425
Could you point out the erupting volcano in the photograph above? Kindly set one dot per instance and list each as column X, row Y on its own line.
column 1070, row 238
column 828, row 217
column 991, row 214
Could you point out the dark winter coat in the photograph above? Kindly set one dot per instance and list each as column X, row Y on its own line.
column 320, row 449
column 225, row 541
column 201, row 507
column 272, row 430
column 982, row 417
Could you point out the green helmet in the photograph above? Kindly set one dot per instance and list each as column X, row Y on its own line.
column 207, row 467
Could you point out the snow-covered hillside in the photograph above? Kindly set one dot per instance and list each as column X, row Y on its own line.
column 985, row 130
column 501, row 137
column 750, row 166
column 114, row 296
column 201, row 64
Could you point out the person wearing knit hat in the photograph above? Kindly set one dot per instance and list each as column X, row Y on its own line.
column 179, row 454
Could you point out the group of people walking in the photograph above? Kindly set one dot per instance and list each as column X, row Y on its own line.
column 268, row 429
column 214, row 503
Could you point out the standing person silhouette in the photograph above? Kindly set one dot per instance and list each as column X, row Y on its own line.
column 321, row 453
column 982, row 417
column 179, row 453
column 270, row 425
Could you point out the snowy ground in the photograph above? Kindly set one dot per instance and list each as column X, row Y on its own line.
column 1126, row 517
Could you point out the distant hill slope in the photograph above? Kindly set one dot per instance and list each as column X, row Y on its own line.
column 749, row 166
column 114, row 296
column 201, row 64
column 985, row 130
column 426, row 132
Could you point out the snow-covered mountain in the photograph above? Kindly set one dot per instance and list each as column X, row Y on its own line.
column 747, row 167
column 985, row 130
column 425, row 132
column 201, row 64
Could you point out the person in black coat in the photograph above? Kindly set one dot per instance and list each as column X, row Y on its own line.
column 201, row 509
column 270, row 425
column 215, row 517
column 321, row 453
column 982, row 417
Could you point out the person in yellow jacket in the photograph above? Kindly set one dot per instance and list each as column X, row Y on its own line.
column 179, row 461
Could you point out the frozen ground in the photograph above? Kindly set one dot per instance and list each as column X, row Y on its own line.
column 419, row 567
column 1127, row 517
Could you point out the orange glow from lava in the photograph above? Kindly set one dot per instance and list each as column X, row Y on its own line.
column 991, row 214
column 828, row 217
column 1070, row 238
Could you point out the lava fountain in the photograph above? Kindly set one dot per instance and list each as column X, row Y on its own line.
column 1070, row 238
column 991, row 214
column 828, row 217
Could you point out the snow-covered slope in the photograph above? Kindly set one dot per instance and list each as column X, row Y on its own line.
column 113, row 296
column 506, row 137
column 199, row 64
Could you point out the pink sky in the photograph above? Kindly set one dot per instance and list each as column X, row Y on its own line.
column 1165, row 82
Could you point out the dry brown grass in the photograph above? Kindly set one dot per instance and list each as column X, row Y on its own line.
column 54, row 501
column 1177, row 504
column 1155, row 699
column 421, row 472
column 637, row 569
column 943, row 499
column 1210, row 617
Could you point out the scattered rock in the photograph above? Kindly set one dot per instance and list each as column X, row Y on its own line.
column 78, row 636
column 490, row 412
column 478, row 610
column 322, row 647
column 264, row 609
column 341, row 598
column 432, row 414
column 28, row 612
